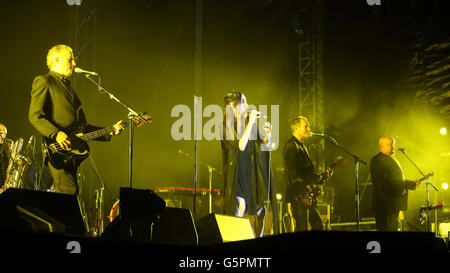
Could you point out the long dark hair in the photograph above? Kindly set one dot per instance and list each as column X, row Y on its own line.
column 232, row 97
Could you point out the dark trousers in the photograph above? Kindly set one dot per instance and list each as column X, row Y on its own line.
column 303, row 214
column 64, row 181
column 386, row 220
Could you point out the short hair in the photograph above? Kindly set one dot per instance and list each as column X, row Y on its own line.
column 296, row 121
column 232, row 97
column 382, row 140
column 56, row 50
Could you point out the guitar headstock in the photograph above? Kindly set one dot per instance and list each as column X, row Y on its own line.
column 137, row 120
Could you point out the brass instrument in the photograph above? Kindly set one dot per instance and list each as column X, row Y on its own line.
column 16, row 167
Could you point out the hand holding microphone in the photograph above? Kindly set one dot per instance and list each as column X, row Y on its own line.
column 253, row 116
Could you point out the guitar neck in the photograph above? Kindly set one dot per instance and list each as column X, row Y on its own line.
column 99, row 133
column 426, row 177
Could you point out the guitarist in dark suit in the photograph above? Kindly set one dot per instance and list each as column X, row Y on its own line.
column 55, row 110
column 390, row 189
column 301, row 174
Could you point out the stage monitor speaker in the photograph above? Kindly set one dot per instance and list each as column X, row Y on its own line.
column 138, row 204
column 175, row 226
column 218, row 228
column 138, row 210
column 39, row 211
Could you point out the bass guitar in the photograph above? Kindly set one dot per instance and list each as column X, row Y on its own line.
column 78, row 151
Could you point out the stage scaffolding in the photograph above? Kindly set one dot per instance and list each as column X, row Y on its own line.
column 308, row 24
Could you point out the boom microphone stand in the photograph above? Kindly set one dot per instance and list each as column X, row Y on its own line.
column 357, row 160
column 427, row 210
column 131, row 115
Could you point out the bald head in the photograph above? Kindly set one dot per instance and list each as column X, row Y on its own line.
column 386, row 145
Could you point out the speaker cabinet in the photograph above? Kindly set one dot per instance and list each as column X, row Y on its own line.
column 218, row 228
column 175, row 226
column 39, row 211
column 139, row 209
column 140, row 204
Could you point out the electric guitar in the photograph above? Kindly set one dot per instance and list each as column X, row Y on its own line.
column 425, row 177
column 78, row 151
column 314, row 190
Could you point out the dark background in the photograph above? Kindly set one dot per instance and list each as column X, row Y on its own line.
column 145, row 53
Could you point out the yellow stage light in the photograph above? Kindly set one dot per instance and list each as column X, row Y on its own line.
column 443, row 131
column 444, row 186
column 444, row 229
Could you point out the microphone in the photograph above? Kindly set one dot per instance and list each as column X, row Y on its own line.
column 401, row 149
column 260, row 115
column 79, row 70
column 316, row 134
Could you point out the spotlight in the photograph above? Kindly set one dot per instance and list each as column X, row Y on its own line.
column 444, row 186
column 443, row 131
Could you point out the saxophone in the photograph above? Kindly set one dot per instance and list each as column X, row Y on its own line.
column 16, row 167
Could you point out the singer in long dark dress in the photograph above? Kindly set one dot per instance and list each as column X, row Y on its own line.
column 248, row 180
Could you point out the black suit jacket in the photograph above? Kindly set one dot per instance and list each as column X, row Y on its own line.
column 390, row 189
column 55, row 106
column 298, row 168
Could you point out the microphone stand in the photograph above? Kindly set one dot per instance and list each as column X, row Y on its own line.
column 427, row 210
column 194, row 207
column 211, row 170
column 357, row 160
column 131, row 115
column 37, row 168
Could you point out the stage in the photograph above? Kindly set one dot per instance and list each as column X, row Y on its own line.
column 338, row 76
column 288, row 243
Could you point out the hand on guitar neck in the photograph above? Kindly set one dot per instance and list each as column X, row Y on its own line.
column 425, row 177
column 314, row 190
column 325, row 175
column 117, row 128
